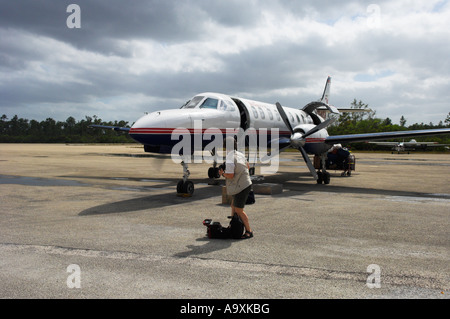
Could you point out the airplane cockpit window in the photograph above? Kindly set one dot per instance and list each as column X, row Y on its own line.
column 209, row 104
column 186, row 103
column 193, row 103
column 227, row 105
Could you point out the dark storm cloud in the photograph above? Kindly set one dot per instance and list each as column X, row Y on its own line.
column 141, row 55
column 102, row 21
column 105, row 21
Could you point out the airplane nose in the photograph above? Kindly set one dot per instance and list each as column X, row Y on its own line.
column 152, row 120
column 149, row 129
column 154, row 130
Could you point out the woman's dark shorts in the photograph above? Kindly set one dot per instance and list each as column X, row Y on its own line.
column 240, row 198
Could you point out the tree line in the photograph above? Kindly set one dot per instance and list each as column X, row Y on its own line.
column 19, row 130
column 367, row 122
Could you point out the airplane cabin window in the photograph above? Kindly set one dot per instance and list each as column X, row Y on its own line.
column 209, row 104
column 278, row 116
column 292, row 118
column 255, row 113
column 261, row 112
column 193, row 103
column 298, row 119
column 270, row 114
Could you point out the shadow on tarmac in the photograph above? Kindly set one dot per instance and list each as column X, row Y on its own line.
column 300, row 183
column 151, row 201
column 211, row 245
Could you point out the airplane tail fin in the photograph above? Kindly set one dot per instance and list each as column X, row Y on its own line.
column 322, row 106
column 326, row 91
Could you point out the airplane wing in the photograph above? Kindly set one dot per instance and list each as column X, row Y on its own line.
column 436, row 145
column 115, row 128
column 383, row 135
column 385, row 143
column 423, row 144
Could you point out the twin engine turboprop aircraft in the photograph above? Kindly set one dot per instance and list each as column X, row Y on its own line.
column 277, row 127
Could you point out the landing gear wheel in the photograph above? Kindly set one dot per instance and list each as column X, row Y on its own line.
column 326, row 178
column 185, row 187
column 188, row 187
column 319, row 177
column 180, row 187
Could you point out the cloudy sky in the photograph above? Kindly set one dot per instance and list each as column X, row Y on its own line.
column 131, row 57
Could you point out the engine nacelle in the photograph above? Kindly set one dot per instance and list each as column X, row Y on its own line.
column 314, row 143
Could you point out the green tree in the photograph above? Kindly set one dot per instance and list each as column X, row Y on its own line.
column 402, row 121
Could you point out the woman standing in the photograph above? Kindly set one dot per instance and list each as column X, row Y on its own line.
column 238, row 182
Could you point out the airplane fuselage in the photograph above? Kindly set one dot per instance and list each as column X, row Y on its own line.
column 216, row 113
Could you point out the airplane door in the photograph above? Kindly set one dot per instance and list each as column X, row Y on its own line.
column 244, row 116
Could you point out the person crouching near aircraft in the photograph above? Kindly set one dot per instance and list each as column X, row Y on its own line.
column 238, row 182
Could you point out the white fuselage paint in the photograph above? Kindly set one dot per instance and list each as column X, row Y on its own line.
column 222, row 112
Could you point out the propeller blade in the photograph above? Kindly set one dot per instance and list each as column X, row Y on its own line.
column 317, row 128
column 308, row 163
column 322, row 125
column 284, row 117
column 268, row 157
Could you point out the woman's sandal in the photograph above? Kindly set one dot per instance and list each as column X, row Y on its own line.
column 247, row 235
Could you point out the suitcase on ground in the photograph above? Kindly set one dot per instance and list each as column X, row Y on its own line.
column 215, row 230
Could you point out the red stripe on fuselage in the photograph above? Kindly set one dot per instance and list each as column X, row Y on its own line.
column 193, row 131
column 164, row 131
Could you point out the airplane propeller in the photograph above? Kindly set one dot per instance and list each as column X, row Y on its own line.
column 298, row 139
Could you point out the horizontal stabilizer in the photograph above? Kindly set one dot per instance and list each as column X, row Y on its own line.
column 345, row 110
column 310, row 107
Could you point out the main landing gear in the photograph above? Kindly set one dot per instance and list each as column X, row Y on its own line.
column 213, row 172
column 322, row 175
column 185, row 187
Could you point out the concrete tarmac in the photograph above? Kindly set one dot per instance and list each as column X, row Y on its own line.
column 104, row 221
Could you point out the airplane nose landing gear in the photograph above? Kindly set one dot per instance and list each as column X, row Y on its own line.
column 185, row 187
